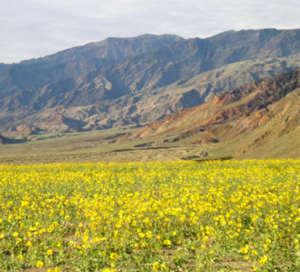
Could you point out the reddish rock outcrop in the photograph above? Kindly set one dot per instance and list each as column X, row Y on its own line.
column 58, row 122
column 22, row 130
column 229, row 115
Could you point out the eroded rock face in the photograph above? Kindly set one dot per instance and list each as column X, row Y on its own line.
column 234, row 114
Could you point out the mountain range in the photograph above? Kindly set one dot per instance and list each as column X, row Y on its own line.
column 155, row 81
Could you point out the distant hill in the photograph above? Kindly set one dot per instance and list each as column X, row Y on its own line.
column 260, row 119
column 138, row 80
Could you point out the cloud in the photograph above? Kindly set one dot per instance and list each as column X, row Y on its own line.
column 35, row 28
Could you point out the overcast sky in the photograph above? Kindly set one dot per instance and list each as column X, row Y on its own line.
column 36, row 28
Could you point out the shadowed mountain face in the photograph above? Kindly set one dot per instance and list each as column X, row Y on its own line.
column 76, row 61
column 139, row 80
column 4, row 140
column 2, row 66
column 255, row 114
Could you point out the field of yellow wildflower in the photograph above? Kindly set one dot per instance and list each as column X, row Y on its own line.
column 177, row 216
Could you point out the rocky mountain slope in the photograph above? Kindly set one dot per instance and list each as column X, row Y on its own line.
column 76, row 61
column 137, row 80
column 191, row 57
column 245, row 119
column 139, row 108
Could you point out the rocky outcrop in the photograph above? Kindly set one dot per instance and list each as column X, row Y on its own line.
column 22, row 130
column 59, row 123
